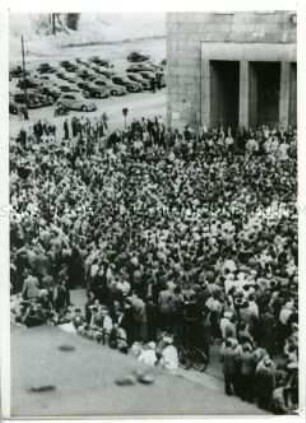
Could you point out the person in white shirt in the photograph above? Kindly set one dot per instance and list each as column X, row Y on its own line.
column 148, row 354
column 169, row 356
column 252, row 146
column 283, row 151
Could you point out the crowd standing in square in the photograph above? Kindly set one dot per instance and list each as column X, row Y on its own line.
column 177, row 237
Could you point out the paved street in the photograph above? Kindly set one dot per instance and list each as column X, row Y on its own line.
column 140, row 104
column 85, row 382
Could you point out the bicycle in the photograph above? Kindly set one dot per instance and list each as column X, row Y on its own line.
column 192, row 357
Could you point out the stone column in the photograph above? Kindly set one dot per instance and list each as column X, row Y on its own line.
column 205, row 92
column 244, row 94
column 284, row 94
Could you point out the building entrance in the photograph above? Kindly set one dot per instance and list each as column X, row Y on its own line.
column 224, row 93
column 264, row 93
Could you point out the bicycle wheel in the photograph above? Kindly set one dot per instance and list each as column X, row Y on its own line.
column 199, row 360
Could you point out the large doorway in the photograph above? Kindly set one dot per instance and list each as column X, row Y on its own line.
column 264, row 93
column 224, row 93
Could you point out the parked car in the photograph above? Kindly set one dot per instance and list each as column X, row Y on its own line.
column 91, row 90
column 99, row 61
column 131, row 86
column 85, row 74
column 100, row 70
column 46, row 68
column 137, row 57
column 140, row 67
column 114, row 89
column 52, row 79
column 68, row 88
column 82, row 62
column 17, row 72
column 27, row 83
column 35, row 99
column 80, row 83
column 69, row 66
column 50, row 89
column 136, row 77
column 147, row 75
column 64, row 76
column 154, row 66
column 75, row 101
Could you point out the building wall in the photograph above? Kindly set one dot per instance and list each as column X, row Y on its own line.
column 187, row 32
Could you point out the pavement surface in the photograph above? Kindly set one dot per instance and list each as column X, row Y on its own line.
column 78, row 299
column 145, row 104
column 84, row 381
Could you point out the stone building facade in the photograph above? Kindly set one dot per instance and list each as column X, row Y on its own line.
column 231, row 69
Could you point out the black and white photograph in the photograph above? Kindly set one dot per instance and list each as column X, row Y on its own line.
column 153, row 217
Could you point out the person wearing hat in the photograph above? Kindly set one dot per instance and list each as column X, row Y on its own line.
column 264, row 382
column 246, row 373
column 166, row 305
column 230, row 367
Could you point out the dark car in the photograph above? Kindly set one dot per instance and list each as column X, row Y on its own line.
column 137, row 57
column 148, row 75
column 68, row 66
column 136, row 77
column 17, row 72
column 64, row 76
column 140, row 67
column 46, row 68
column 82, row 62
column 102, row 71
column 35, row 99
column 68, row 88
column 50, row 89
column 114, row 89
column 47, row 79
column 99, row 61
column 91, row 90
column 86, row 74
column 81, row 84
column 131, row 86
column 28, row 83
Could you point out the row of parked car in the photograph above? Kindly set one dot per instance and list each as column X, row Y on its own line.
column 73, row 84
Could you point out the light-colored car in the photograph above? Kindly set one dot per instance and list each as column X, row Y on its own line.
column 75, row 101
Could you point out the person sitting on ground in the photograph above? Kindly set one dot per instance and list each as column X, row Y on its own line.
column 169, row 355
column 148, row 354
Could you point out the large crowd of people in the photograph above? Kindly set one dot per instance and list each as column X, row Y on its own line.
column 192, row 234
